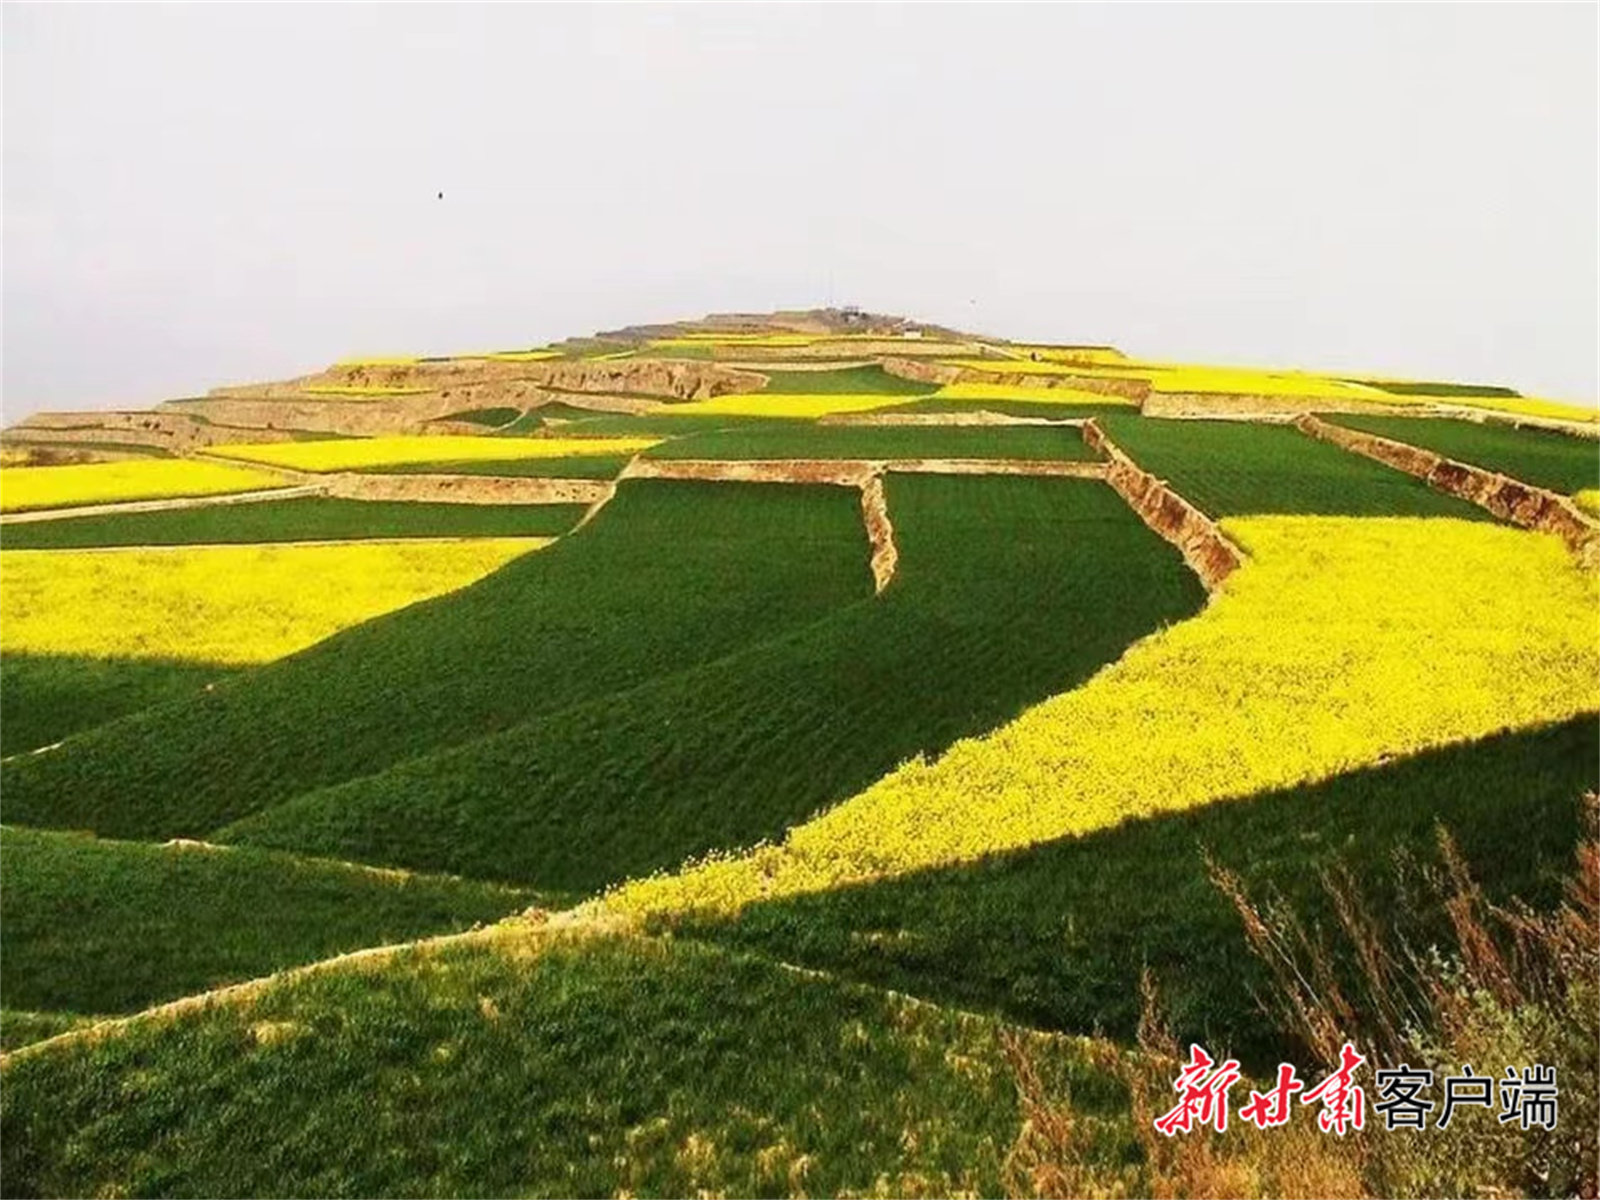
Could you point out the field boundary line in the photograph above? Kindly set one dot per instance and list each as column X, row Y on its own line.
column 583, row 921
column 1203, row 545
column 1510, row 499
column 166, row 504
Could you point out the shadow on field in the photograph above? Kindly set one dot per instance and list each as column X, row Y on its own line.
column 1057, row 935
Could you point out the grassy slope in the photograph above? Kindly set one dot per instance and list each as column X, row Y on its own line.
column 303, row 519
column 20, row 1026
column 45, row 697
column 844, row 381
column 1008, row 590
column 1537, row 456
column 1057, row 935
column 581, row 466
column 99, row 927
column 883, row 441
column 669, row 575
column 1230, row 468
column 573, row 1069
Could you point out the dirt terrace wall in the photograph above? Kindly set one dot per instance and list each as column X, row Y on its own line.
column 1509, row 499
column 1212, row 404
column 467, row 489
column 661, row 379
column 253, row 419
column 880, row 533
column 841, row 472
column 1209, row 554
column 169, row 429
column 943, row 373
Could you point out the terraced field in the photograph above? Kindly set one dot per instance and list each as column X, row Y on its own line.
column 782, row 838
column 1541, row 457
column 108, row 927
column 25, row 489
column 715, row 566
column 361, row 454
column 879, row 442
column 1008, row 590
column 302, row 519
column 1231, row 467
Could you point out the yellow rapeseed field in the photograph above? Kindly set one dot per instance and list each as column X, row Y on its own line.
column 1528, row 406
column 1267, row 383
column 1589, row 501
column 224, row 604
column 133, row 479
column 1341, row 642
column 354, row 454
column 1037, row 395
column 763, row 404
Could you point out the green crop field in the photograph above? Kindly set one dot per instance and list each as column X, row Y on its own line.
column 796, row 839
column 1230, row 468
column 1008, row 590
column 104, row 927
column 880, row 442
column 843, row 381
column 1057, row 936
column 301, row 519
column 45, row 697
column 563, row 1068
column 1541, row 457
column 713, row 566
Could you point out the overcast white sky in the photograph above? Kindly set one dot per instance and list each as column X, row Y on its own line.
column 197, row 195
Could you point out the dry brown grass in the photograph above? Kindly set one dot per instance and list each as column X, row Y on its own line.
column 1516, row 987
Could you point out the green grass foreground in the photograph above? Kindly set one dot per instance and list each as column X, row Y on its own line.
column 1008, row 590
column 103, row 927
column 668, row 576
column 301, row 519
column 1542, row 457
column 562, row 1068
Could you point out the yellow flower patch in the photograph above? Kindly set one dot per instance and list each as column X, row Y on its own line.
column 1037, row 395
column 1341, row 642
column 354, row 454
column 224, row 604
column 134, row 479
column 1589, row 501
column 764, row 404
column 1527, row 406
column 1266, row 383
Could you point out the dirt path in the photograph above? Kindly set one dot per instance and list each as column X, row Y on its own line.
column 880, row 533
